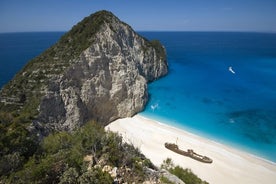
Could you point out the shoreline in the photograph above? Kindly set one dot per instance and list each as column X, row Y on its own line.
column 230, row 165
column 211, row 139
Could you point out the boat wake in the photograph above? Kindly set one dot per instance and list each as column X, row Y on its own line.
column 153, row 107
column 231, row 70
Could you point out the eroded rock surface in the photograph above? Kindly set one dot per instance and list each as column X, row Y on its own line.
column 104, row 81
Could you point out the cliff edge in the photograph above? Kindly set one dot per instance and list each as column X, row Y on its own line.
column 99, row 71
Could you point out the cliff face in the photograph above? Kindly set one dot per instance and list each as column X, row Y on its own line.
column 97, row 71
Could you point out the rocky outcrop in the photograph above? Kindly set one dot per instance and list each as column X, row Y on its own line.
column 99, row 71
column 172, row 178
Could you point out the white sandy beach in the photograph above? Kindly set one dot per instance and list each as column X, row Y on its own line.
column 229, row 165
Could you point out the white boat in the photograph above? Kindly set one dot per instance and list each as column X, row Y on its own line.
column 231, row 70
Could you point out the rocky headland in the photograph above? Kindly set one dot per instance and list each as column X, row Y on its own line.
column 53, row 112
column 98, row 71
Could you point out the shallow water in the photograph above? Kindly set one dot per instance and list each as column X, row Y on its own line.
column 201, row 93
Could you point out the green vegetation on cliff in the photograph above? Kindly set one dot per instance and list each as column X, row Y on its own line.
column 62, row 157
column 185, row 175
column 159, row 48
column 26, row 88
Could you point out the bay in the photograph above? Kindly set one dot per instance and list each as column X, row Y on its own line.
column 221, row 85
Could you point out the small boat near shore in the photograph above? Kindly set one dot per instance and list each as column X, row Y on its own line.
column 189, row 153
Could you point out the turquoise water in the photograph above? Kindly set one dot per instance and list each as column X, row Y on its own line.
column 202, row 95
column 199, row 94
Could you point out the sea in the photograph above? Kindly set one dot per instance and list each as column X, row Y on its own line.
column 220, row 85
column 16, row 49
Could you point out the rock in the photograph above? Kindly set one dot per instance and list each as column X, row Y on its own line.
column 110, row 170
column 103, row 159
column 149, row 182
column 107, row 168
column 97, row 71
column 90, row 160
column 97, row 166
column 171, row 177
column 113, row 172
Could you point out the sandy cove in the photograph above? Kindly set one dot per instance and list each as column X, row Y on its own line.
column 229, row 164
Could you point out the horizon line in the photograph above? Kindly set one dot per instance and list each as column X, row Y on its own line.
column 214, row 31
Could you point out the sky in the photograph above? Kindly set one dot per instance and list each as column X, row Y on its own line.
column 142, row 15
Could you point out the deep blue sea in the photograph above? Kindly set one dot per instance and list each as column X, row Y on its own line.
column 16, row 49
column 220, row 85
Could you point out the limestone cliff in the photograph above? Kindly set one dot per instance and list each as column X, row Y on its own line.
column 99, row 71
